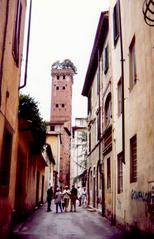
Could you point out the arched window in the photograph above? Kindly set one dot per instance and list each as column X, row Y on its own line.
column 108, row 110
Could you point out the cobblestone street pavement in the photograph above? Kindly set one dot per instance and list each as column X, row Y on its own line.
column 82, row 224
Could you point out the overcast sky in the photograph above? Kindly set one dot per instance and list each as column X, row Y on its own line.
column 61, row 29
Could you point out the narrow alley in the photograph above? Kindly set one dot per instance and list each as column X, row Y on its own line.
column 81, row 224
column 77, row 119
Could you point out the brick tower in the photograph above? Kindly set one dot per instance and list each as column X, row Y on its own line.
column 61, row 115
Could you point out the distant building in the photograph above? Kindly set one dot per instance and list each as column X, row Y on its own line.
column 78, row 167
column 53, row 138
column 61, row 116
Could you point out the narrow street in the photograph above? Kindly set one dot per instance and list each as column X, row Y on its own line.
column 82, row 224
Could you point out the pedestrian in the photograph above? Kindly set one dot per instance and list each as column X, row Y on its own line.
column 84, row 197
column 58, row 200
column 66, row 197
column 74, row 193
column 79, row 195
column 49, row 198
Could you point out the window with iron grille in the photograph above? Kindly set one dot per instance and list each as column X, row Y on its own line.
column 108, row 174
column 116, row 23
column 120, row 172
column 16, row 36
column 133, row 159
column 132, row 64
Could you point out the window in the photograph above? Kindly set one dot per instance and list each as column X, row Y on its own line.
column 98, row 126
column 108, row 173
column 133, row 159
column 57, row 77
column 63, row 87
column 132, row 64
column 6, row 160
column 57, row 105
column 57, row 87
column 98, row 83
column 108, row 110
column 16, row 36
column 89, row 103
column 63, row 77
column 106, row 59
column 63, row 105
column 52, row 127
column 119, row 97
column 116, row 23
column 89, row 142
column 120, row 172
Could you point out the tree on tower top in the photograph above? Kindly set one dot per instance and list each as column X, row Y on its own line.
column 66, row 64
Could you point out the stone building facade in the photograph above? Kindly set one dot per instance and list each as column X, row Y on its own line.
column 11, row 44
column 120, row 161
column 132, row 53
column 97, row 87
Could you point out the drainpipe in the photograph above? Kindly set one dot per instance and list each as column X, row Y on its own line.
column 3, row 47
column 122, row 82
column 99, row 112
column 27, row 48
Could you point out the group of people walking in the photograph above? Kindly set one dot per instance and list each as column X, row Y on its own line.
column 67, row 197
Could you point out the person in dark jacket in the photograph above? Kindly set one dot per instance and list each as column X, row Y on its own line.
column 74, row 193
column 49, row 198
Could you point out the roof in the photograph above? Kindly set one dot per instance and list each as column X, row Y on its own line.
column 49, row 153
column 99, row 41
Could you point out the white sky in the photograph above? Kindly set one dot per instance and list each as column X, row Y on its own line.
column 61, row 29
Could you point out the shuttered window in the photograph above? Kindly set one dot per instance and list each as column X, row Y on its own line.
column 16, row 35
column 132, row 64
column 119, row 97
column 106, row 59
column 108, row 173
column 116, row 23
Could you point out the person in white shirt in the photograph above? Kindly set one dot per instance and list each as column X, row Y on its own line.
column 66, row 197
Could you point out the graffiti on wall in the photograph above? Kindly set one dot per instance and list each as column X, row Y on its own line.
column 145, row 197
column 139, row 195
